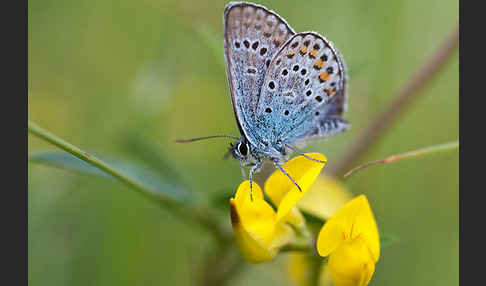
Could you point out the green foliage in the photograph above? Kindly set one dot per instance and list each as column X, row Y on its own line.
column 88, row 62
column 144, row 175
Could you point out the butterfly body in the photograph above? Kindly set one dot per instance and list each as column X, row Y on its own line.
column 285, row 87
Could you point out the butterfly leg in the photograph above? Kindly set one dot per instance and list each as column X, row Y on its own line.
column 253, row 169
column 278, row 165
column 243, row 174
column 301, row 153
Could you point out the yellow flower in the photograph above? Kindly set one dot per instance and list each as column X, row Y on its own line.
column 325, row 197
column 285, row 194
column 350, row 239
column 255, row 226
column 261, row 232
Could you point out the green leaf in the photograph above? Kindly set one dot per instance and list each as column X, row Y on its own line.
column 66, row 161
column 142, row 174
column 152, row 156
column 142, row 180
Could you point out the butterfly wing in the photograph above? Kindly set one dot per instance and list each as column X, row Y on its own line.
column 252, row 36
column 304, row 91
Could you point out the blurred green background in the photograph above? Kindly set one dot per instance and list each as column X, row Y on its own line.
column 122, row 79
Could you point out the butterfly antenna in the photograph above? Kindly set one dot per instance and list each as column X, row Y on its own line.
column 301, row 153
column 203, row 138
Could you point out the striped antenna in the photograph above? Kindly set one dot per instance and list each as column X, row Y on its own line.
column 203, row 138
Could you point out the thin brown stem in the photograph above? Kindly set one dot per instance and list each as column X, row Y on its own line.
column 403, row 98
column 406, row 155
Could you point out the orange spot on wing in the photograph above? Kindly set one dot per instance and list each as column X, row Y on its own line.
column 303, row 50
column 324, row 76
column 313, row 53
column 319, row 64
column 329, row 92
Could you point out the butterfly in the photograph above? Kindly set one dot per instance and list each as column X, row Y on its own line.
column 285, row 87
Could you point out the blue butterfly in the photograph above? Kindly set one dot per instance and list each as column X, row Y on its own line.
column 286, row 87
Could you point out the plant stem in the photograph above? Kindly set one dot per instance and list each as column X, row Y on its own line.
column 189, row 211
column 92, row 160
column 407, row 155
column 403, row 98
column 301, row 244
column 296, row 247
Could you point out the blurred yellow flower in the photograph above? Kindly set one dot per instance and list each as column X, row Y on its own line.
column 325, row 197
column 261, row 232
column 350, row 238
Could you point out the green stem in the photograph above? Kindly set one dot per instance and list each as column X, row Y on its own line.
column 304, row 247
column 408, row 155
column 192, row 212
column 302, row 243
column 92, row 160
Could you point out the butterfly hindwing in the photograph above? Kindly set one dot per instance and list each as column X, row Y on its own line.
column 303, row 93
column 252, row 36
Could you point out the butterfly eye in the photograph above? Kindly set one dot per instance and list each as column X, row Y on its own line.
column 243, row 148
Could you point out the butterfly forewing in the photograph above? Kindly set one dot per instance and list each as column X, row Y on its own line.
column 304, row 88
column 252, row 36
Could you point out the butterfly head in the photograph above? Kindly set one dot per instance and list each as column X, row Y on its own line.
column 242, row 151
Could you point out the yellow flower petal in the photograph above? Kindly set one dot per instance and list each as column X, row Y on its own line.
column 354, row 219
column 352, row 263
column 325, row 197
column 283, row 192
column 366, row 228
column 251, row 250
column 295, row 218
column 257, row 234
